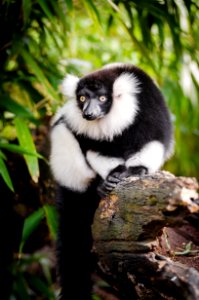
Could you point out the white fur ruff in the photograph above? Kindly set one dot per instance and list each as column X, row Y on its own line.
column 121, row 115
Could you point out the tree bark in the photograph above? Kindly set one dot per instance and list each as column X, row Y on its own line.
column 134, row 231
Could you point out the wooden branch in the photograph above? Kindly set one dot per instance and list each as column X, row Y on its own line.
column 128, row 231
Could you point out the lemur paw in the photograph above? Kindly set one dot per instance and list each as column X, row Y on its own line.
column 114, row 177
column 117, row 175
column 106, row 187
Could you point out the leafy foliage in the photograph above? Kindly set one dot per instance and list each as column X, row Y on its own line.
column 44, row 40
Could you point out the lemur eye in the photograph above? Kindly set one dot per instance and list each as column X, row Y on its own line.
column 102, row 98
column 82, row 98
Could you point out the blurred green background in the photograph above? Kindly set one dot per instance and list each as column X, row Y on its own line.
column 41, row 41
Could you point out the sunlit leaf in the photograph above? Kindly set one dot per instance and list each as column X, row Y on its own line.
column 26, row 142
column 17, row 109
column 69, row 4
column 93, row 12
column 60, row 13
column 31, row 62
column 18, row 149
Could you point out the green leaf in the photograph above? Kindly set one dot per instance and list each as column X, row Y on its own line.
column 26, row 4
column 2, row 155
column 41, row 286
column 18, row 149
column 26, row 142
column 60, row 13
column 52, row 219
column 69, row 4
column 93, row 12
column 4, row 173
column 30, row 224
column 45, row 8
column 32, row 63
column 9, row 104
column 20, row 287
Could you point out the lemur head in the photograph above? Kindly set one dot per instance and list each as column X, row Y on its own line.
column 94, row 98
column 98, row 92
column 93, row 93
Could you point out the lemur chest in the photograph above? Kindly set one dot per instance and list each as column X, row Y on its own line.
column 113, row 148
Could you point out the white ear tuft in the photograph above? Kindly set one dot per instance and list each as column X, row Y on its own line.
column 126, row 83
column 69, row 85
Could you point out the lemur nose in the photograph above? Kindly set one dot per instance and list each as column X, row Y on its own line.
column 89, row 116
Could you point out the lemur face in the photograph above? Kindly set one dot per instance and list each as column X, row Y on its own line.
column 94, row 99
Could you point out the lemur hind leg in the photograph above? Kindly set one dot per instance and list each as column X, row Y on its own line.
column 74, row 243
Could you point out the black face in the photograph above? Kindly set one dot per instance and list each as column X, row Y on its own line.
column 93, row 98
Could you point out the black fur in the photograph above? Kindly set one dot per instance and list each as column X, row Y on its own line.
column 74, row 258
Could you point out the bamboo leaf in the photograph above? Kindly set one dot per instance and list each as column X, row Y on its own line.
column 2, row 155
column 5, row 175
column 42, row 287
column 93, row 11
column 52, row 219
column 30, row 224
column 18, row 149
column 26, row 4
column 69, row 4
column 60, row 13
column 45, row 8
column 26, row 142
column 9, row 104
column 31, row 62
column 20, row 286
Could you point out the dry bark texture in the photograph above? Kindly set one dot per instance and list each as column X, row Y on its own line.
column 145, row 233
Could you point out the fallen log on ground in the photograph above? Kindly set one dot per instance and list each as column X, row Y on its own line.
column 134, row 232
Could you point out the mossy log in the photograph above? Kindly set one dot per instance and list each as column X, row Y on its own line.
column 133, row 232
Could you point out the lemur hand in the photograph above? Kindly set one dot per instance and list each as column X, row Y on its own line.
column 116, row 175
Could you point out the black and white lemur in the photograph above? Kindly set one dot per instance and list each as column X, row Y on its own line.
column 114, row 124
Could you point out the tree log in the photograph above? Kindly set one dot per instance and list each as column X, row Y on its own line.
column 133, row 232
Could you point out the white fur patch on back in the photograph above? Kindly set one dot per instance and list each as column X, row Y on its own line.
column 67, row 161
column 69, row 85
column 120, row 116
column 102, row 165
column 113, row 65
column 150, row 156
